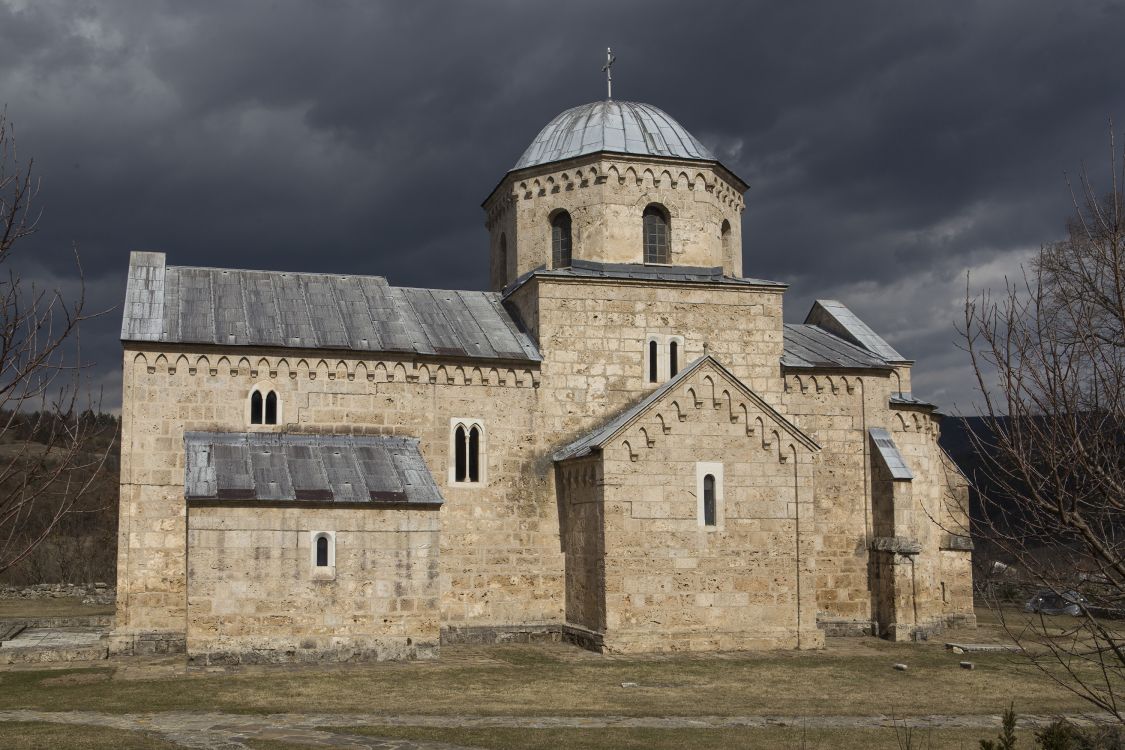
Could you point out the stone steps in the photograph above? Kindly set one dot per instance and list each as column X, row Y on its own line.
column 38, row 655
column 35, row 645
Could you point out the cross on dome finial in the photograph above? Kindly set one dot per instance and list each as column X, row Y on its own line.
column 608, row 69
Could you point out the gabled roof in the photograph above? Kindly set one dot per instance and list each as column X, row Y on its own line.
column 269, row 467
column 598, row 438
column 812, row 347
column 234, row 307
column 835, row 318
column 589, row 269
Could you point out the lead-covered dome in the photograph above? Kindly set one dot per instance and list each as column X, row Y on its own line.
column 620, row 127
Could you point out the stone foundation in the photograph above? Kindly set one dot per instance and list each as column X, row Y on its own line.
column 146, row 644
column 488, row 635
column 838, row 627
column 311, row 651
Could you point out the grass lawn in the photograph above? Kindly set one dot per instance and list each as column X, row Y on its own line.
column 39, row 735
column 786, row 738
column 64, row 606
column 852, row 676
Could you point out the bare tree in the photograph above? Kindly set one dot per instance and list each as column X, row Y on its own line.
column 46, row 431
column 1049, row 356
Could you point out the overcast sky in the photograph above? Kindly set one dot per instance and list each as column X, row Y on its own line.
column 890, row 147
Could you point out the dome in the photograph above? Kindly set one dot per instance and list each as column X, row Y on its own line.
column 621, row 127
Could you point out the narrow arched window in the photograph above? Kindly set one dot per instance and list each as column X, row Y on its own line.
column 460, row 447
column 657, row 240
column 709, row 500
column 653, row 363
column 271, row 408
column 256, row 407
column 474, row 454
column 724, row 236
column 322, row 551
column 500, row 269
column 673, row 358
column 560, row 240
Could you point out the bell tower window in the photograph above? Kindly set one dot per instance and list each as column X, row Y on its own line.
column 560, row 240
column 657, row 235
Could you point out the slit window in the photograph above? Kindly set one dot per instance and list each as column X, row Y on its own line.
column 322, row 551
column 709, row 506
column 673, row 358
column 709, row 495
column 560, row 240
column 653, row 362
column 657, row 241
column 724, row 236
column 502, row 263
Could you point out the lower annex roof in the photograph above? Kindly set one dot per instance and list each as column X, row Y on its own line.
column 262, row 467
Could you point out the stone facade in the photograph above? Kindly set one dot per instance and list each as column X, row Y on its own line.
column 255, row 594
column 647, row 573
column 605, row 197
column 500, row 562
column 606, row 548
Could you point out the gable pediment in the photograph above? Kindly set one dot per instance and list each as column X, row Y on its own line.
column 703, row 389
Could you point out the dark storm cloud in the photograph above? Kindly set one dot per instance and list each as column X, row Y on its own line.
column 890, row 147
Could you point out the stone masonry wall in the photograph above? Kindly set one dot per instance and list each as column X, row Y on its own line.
column 593, row 338
column 837, row 409
column 583, row 535
column 255, row 595
column 500, row 551
column 606, row 196
column 671, row 582
column 942, row 576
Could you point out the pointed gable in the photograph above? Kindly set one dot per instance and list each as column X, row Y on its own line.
column 600, row 437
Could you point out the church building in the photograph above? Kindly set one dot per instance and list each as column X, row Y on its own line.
column 621, row 444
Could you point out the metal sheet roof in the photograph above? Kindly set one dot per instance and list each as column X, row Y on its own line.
column 885, row 448
column 638, row 271
column 620, row 127
column 833, row 316
column 907, row 399
column 232, row 307
column 276, row 467
column 809, row 346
